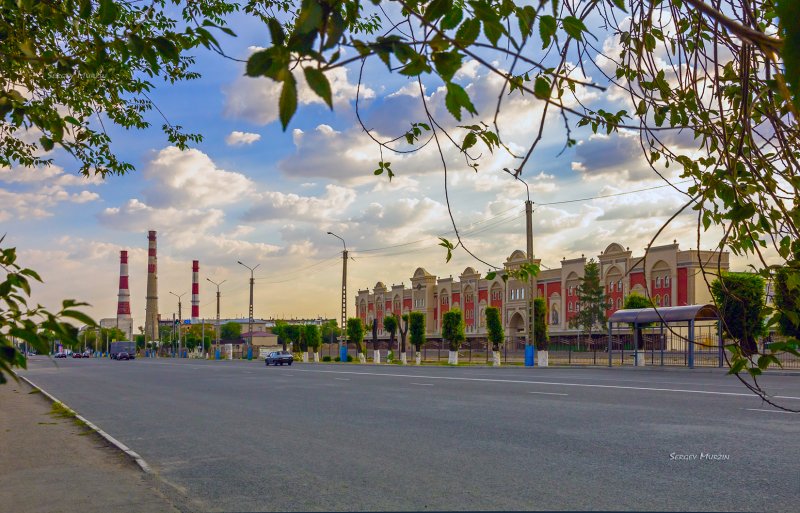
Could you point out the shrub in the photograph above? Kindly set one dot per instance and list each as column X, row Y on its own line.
column 740, row 299
column 453, row 329
column 494, row 327
column 337, row 359
column 540, row 336
column 326, row 358
column 349, row 358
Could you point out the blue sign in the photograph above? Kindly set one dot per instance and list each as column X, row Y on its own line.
column 187, row 321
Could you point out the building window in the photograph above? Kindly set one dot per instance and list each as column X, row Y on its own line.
column 658, row 282
column 619, row 303
column 619, row 285
column 570, row 306
column 666, row 281
column 611, row 286
column 658, row 300
column 666, row 300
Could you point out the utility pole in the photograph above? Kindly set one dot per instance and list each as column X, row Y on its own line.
column 216, row 352
column 250, row 321
column 530, row 345
column 342, row 343
column 180, row 320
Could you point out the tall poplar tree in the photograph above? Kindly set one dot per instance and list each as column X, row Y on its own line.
column 592, row 300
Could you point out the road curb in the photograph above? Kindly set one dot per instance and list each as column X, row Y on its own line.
column 113, row 441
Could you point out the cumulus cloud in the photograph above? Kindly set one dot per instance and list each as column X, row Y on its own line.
column 188, row 178
column 256, row 99
column 237, row 138
column 31, row 193
column 273, row 205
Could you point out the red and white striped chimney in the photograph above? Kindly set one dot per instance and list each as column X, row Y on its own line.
column 195, row 291
column 124, row 297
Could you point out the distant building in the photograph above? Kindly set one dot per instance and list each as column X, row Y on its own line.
column 674, row 276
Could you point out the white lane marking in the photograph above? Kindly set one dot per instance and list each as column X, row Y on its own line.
column 547, row 393
column 771, row 411
column 585, row 385
column 342, row 379
column 423, row 384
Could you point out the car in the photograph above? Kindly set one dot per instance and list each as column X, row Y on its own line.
column 123, row 356
column 87, row 354
column 77, row 355
column 60, row 355
column 279, row 358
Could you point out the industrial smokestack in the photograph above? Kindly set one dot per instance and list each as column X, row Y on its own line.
column 195, row 292
column 151, row 314
column 124, row 297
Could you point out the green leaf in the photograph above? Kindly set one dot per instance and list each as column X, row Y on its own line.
column 436, row 9
column 452, row 18
column 318, row 82
column 166, row 48
column 80, row 316
column 288, row 101
column 456, row 99
column 310, row 17
column 621, row 5
column 108, row 12
column 47, row 143
column 258, row 64
column 574, row 27
column 541, row 88
column 469, row 141
column 788, row 12
column 547, row 29
column 490, row 275
column 468, row 32
column 276, row 33
column 447, row 63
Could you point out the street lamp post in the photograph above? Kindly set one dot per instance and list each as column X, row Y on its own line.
column 530, row 347
column 342, row 344
column 250, row 321
column 216, row 352
column 180, row 320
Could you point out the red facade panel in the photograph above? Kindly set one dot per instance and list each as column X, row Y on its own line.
column 483, row 295
column 637, row 279
column 407, row 304
column 683, row 286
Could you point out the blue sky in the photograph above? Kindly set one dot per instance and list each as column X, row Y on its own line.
column 271, row 198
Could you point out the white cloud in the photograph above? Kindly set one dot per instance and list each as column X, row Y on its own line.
column 256, row 99
column 274, row 205
column 190, row 178
column 237, row 138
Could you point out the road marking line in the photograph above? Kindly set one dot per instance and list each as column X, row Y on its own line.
column 585, row 385
column 423, row 384
column 342, row 379
column 771, row 411
column 547, row 393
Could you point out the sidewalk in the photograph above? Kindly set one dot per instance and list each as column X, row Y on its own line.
column 50, row 463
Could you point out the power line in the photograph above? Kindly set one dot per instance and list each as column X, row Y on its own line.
column 612, row 195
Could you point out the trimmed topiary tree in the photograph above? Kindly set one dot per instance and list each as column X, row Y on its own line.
column 540, row 335
column 403, row 330
column 355, row 333
column 313, row 339
column 390, row 325
column 416, row 328
column 453, row 333
column 494, row 330
column 740, row 300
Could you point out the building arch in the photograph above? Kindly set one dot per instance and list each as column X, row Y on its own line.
column 516, row 326
column 614, row 248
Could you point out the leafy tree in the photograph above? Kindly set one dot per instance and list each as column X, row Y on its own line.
column 197, row 335
column 230, row 331
column 494, row 327
column 293, row 333
column 416, row 328
column 331, row 331
column 634, row 301
column 453, row 329
column 280, row 330
column 787, row 302
column 592, row 300
column 390, row 325
column 355, row 332
column 540, row 336
column 740, row 300
column 403, row 333
column 35, row 326
column 312, row 337
column 67, row 64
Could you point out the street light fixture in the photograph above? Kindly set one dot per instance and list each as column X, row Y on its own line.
column 250, row 321
column 216, row 352
column 529, row 349
column 180, row 319
column 342, row 345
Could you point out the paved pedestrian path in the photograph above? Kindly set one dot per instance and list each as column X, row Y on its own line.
column 49, row 463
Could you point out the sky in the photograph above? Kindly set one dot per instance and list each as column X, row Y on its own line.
column 251, row 192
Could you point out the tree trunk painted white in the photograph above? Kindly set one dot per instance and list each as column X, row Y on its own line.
column 403, row 359
column 376, row 356
column 542, row 356
column 305, row 357
column 418, row 358
column 640, row 359
column 316, row 357
column 452, row 357
column 496, row 358
column 362, row 358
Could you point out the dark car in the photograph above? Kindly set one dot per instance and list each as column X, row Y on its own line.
column 279, row 358
column 123, row 356
column 77, row 355
column 60, row 355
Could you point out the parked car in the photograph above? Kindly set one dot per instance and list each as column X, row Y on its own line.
column 60, row 355
column 279, row 358
column 123, row 356
column 77, row 355
column 87, row 354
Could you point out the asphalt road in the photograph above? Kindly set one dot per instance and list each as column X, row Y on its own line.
column 237, row 436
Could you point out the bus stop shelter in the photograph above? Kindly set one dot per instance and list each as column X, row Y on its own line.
column 674, row 339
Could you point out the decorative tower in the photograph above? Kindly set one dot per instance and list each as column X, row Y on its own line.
column 151, row 314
